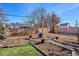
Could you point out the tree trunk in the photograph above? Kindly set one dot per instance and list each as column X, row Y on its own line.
column 54, row 28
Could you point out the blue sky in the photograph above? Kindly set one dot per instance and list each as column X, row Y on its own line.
column 68, row 12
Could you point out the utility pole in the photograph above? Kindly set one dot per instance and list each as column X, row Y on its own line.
column 76, row 24
column 42, row 25
column 38, row 24
column 77, row 31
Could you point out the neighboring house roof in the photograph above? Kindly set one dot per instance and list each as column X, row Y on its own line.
column 64, row 24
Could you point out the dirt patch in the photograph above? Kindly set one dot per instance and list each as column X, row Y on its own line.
column 53, row 50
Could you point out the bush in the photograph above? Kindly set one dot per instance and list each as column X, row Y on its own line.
column 1, row 31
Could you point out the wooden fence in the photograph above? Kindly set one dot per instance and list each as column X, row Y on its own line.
column 72, row 30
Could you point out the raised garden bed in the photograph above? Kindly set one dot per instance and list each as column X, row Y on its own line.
column 51, row 49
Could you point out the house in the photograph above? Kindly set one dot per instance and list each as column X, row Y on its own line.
column 16, row 25
column 64, row 25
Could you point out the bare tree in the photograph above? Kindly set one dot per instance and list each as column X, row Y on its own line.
column 37, row 16
column 54, row 21
column 3, row 20
column 48, row 18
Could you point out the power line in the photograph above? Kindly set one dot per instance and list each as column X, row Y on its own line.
column 15, row 15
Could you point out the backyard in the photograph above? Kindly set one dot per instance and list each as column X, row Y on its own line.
column 41, row 31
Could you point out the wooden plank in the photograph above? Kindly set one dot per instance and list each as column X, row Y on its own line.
column 41, row 51
column 59, row 44
column 74, row 53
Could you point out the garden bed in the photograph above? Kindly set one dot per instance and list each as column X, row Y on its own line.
column 51, row 49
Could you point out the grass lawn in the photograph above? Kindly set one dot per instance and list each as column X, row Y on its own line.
column 25, row 50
